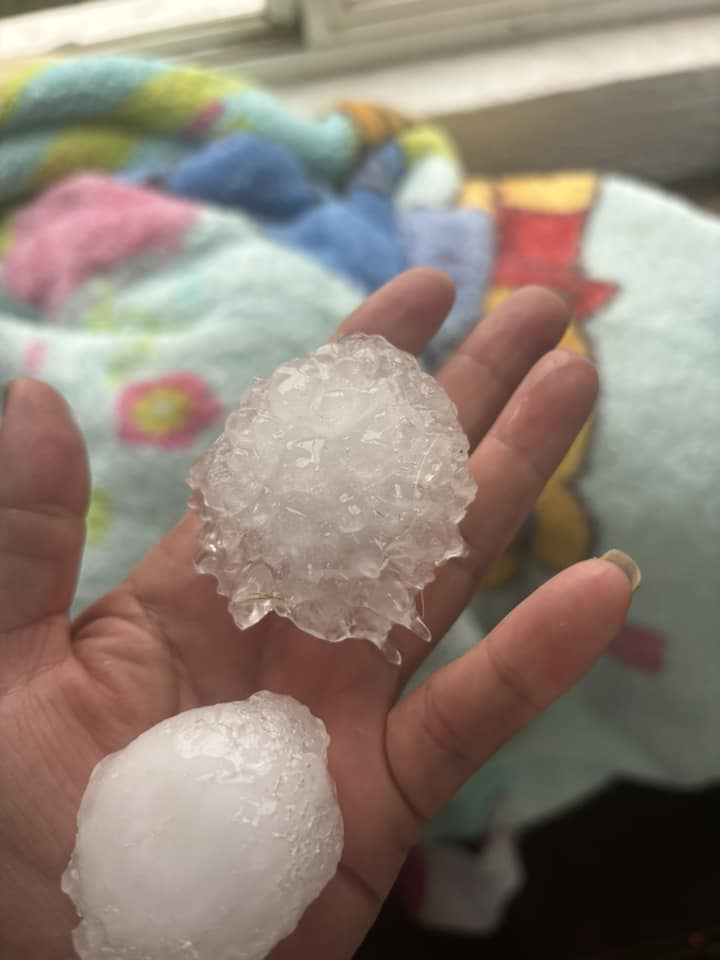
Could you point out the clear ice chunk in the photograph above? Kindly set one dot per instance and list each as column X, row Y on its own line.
column 334, row 492
column 207, row 837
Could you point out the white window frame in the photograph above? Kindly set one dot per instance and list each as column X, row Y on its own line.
column 329, row 23
column 308, row 38
column 127, row 23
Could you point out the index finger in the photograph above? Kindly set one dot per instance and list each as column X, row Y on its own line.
column 444, row 731
column 407, row 311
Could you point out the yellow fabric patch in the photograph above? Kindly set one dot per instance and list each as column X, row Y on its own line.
column 169, row 101
column 162, row 410
column 374, row 124
column 127, row 357
column 14, row 77
column 418, row 142
column 563, row 533
column 552, row 193
column 100, row 515
column 495, row 297
column 95, row 148
column 478, row 194
column 575, row 339
column 6, row 231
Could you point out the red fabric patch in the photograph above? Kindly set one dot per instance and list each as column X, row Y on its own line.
column 545, row 237
column 640, row 648
column 543, row 248
column 200, row 123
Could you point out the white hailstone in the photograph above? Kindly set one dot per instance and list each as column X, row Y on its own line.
column 335, row 490
column 207, row 837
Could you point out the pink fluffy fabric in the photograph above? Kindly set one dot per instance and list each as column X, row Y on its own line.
column 83, row 226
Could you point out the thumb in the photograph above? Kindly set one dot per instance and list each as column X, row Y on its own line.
column 44, row 488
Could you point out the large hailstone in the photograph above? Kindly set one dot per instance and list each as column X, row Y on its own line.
column 207, row 837
column 335, row 490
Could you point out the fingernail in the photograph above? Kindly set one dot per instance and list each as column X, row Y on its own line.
column 626, row 564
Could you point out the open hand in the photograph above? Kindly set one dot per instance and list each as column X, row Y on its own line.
column 162, row 641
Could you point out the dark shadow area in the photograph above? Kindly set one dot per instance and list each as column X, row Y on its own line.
column 634, row 872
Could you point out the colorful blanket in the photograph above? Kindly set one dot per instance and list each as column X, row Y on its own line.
column 165, row 234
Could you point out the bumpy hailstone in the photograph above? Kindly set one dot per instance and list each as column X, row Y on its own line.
column 207, row 837
column 335, row 490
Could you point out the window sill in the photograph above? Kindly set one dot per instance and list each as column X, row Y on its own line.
column 644, row 100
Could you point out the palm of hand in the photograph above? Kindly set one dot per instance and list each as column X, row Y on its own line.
column 119, row 672
column 163, row 642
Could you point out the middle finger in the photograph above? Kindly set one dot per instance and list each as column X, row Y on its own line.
column 485, row 371
column 511, row 465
